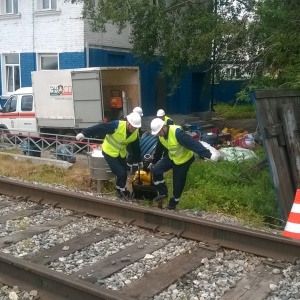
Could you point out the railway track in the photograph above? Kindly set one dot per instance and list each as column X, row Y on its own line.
column 119, row 250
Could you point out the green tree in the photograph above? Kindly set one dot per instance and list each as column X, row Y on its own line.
column 180, row 34
column 277, row 30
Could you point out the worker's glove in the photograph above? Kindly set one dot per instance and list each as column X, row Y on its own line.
column 140, row 165
column 151, row 166
column 80, row 137
column 215, row 156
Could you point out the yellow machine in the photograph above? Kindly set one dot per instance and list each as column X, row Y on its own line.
column 142, row 184
column 144, row 177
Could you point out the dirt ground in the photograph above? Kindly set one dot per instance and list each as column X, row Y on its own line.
column 250, row 125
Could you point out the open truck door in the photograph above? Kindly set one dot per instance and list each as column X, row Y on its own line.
column 87, row 96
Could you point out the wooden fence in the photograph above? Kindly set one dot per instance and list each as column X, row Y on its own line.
column 278, row 116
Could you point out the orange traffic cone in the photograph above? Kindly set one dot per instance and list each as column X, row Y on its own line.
column 292, row 227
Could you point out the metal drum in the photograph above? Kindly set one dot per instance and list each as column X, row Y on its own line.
column 99, row 170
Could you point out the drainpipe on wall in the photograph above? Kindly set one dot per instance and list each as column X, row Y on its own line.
column 33, row 33
column 87, row 54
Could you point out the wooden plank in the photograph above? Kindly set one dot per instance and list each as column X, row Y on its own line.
column 19, row 214
column 160, row 278
column 255, row 285
column 289, row 114
column 268, row 114
column 74, row 244
column 275, row 93
column 105, row 268
column 34, row 230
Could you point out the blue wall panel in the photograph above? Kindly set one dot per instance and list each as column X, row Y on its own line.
column 72, row 60
column 225, row 91
column 180, row 102
column 149, row 75
column 95, row 57
column 0, row 79
column 105, row 58
column 27, row 65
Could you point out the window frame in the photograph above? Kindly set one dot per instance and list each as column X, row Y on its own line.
column 14, row 4
column 50, row 5
column 16, row 82
column 24, row 103
column 41, row 55
column 8, row 105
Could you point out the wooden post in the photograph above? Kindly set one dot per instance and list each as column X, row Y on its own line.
column 291, row 132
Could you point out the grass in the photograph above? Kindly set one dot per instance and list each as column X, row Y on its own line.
column 231, row 188
column 77, row 176
column 234, row 112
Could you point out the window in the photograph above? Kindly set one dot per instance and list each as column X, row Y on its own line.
column 11, row 104
column 9, row 6
column 47, row 4
column 12, row 72
column 48, row 62
column 26, row 103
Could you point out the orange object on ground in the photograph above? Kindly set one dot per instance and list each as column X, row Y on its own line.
column 292, row 227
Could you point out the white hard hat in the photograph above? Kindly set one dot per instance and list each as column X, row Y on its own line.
column 156, row 125
column 160, row 113
column 134, row 119
column 138, row 110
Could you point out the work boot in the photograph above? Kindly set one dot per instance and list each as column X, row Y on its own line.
column 172, row 204
column 159, row 198
column 123, row 194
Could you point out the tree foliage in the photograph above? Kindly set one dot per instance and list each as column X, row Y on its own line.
column 263, row 35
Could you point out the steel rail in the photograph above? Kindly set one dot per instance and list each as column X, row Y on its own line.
column 227, row 236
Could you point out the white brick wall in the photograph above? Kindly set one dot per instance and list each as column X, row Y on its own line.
column 60, row 32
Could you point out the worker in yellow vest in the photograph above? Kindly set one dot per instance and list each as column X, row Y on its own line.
column 118, row 134
column 181, row 148
column 162, row 115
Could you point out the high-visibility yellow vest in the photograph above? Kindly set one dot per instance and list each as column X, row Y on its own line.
column 115, row 144
column 176, row 152
column 166, row 120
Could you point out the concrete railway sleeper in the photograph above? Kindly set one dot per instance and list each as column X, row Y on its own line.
column 51, row 242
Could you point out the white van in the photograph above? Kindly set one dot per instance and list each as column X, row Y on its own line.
column 18, row 114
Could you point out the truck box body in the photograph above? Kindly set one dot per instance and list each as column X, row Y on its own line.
column 53, row 98
column 92, row 84
column 78, row 98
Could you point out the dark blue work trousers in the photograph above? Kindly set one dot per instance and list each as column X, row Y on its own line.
column 179, row 175
column 119, row 168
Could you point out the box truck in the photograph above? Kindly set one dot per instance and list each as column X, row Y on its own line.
column 66, row 101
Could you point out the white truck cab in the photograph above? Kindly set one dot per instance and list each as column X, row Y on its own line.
column 18, row 115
